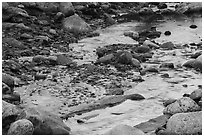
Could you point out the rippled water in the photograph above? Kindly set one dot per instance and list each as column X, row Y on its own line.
column 154, row 88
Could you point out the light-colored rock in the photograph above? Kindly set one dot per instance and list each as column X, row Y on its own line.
column 21, row 127
column 185, row 123
column 135, row 63
column 105, row 59
column 182, row 105
column 124, row 130
column 66, row 8
column 76, row 25
column 150, row 44
column 8, row 80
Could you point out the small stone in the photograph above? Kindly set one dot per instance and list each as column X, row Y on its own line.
column 166, row 75
column 52, row 31
column 167, row 45
column 162, row 5
column 124, row 57
column 142, row 49
column 193, row 26
column 168, row 102
column 196, row 94
column 167, row 33
column 135, row 63
column 105, row 59
column 26, row 36
column 21, row 127
column 167, row 65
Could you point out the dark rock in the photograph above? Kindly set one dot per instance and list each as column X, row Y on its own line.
column 183, row 105
column 189, row 7
column 21, row 127
column 167, row 33
column 142, row 49
column 166, row 75
column 105, row 59
column 167, row 45
column 66, row 8
column 185, row 124
column 101, row 52
column 124, row 57
column 13, row 43
column 196, row 54
column 43, row 60
column 59, row 17
column 6, row 89
column 63, row 60
column 108, row 19
column 135, row 63
column 45, row 123
column 124, row 130
column 76, row 25
column 194, row 63
column 135, row 97
column 167, row 65
column 168, row 102
column 161, row 5
column 8, row 80
column 153, row 124
column 116, row 91
column 193, row 26
column 151, row 69
column 13, row 65
column 12, row 98
column 196, row 95
column 40, row 76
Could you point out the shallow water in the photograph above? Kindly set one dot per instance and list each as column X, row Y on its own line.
column 155, row 88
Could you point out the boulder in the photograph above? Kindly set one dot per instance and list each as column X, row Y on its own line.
column 168, row 102
column 142, row 49
column 63, row 60
column 150, row 44
column 6, row 89
column 9, row 114
column 76, row 25
column 182, row 105
column 196, row 54
column 13, row 98
column 196, row 94
column 13, row 43
column 21, row 127
column 8, row 80
column 185, row 124
column 44, row 60
column 66, row 8
column 124, row 130
column 135, row 63
column 108, row 19
column 167, row 65
column 124, row 57
column 45, row 123
column 194, row 63
column 105, row 59
column 168, row 45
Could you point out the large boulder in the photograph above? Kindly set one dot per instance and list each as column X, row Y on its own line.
column 76, row 25
column 45, row 123
column 9, row 114
column 167, row 45
column 194, row 63
column 124, row 57
column 63, row 60
column 21, row 127
column 196, row 94
column 182, row 105
column 124, row 130
column 185, row 124
column 66, row 8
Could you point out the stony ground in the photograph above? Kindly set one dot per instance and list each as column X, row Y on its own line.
column 94, row 68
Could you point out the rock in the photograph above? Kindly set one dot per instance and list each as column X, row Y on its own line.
column 12, row 98
column 9, row 114
column 108, row 19
column 64, row 60
column 59, row 17
column 167, row 65
column 124, row 130
column 45, row 123
column 185, row 124
column 8, row 80
column 150, row 44
column 194, row 63
column 196, row 54
column 132, row 34
column 165, row 75
column 142, row 49
column 196, row 95
column 116, row 91
column 124, row 57
column 105, row 59
column 167, row 45
column 153, row 124
column 52, row 31
column 151, row 69
column 162, row 5
column 189, row 7
column 145, row 11
column 76, row 25
column 21, row 127
column 135, row 63
column 183, row 105
column 100, row 52
column 40, row 76
column 167, row 33
column 135, row 97
column 43, row 60
column 13, row 66
column 6, row 89
column 193, row 26
column 168, row 102
column 26, row 36
column 13, row 43
column 66, row 8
